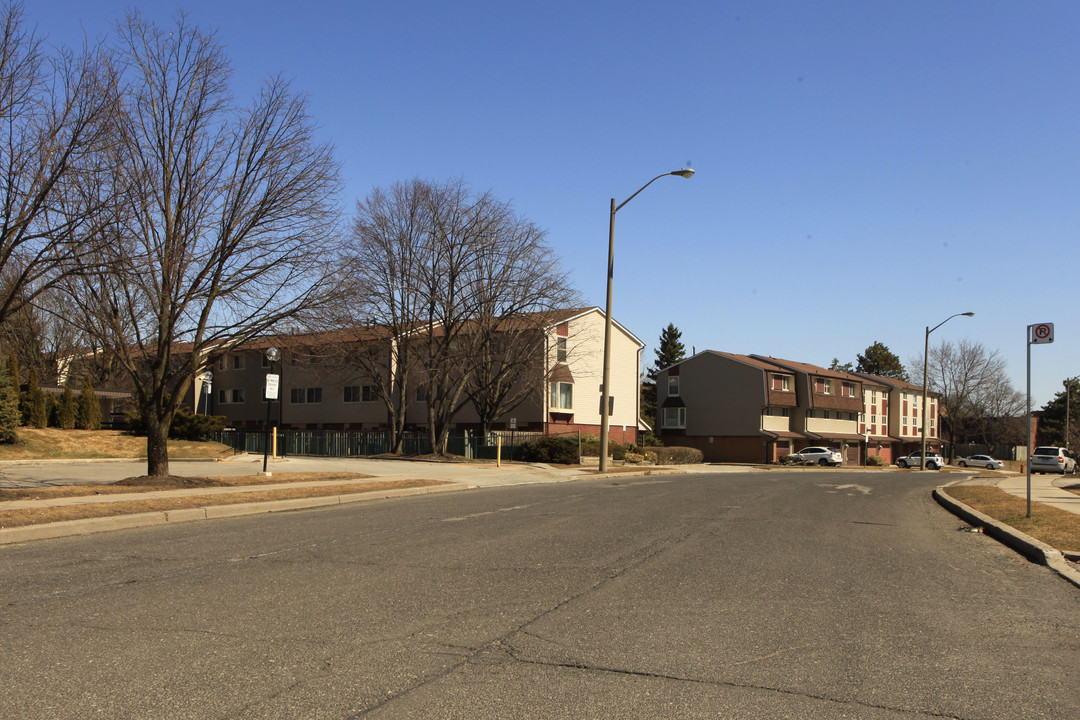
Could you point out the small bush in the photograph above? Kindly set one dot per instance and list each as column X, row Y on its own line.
column 590, row 446
column 550, row 449
column 876, row 461
column 788, row 460
column 186, row 425
column 677, row 455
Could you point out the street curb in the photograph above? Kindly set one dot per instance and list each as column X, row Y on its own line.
column 88, row 526
column 1034, row 550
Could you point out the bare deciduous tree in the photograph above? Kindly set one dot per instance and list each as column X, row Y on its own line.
column 54, row 119
column 223, row 223
column 975, row 390
column 459, row 282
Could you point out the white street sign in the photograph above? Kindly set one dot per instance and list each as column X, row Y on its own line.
column 273, row 380
column 1042, row 333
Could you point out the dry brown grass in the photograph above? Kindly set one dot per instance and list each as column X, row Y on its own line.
column 56, row 444
column 35, row 516
column 1057, row 528
column 169, row 482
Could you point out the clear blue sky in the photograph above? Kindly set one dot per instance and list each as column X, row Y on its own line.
column 864, row 169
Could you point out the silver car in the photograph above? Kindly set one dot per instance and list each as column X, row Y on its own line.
column 1052, row 460
column 983, row 461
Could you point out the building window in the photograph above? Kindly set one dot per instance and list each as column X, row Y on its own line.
column 304, row 396
column 781, row 382
column 673, row 386
column 562, row 395
column 675, row 417
column 237, row 362
column 359, row 393
column 847, row 389
column 560, row 349
column 777, row 411
column 231, row 397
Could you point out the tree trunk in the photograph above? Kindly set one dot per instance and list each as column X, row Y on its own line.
column 157, row 447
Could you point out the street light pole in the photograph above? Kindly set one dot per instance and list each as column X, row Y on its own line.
column 925, row 369
column 605, row 388
column 270, row 393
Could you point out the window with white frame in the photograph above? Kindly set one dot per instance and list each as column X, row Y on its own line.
column 560, row 350
column 781, row 382
column 562, row 395
column 674, row 417
column 847, row 389
column 673, row 386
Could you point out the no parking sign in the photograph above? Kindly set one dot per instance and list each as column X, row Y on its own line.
column 1042, row 333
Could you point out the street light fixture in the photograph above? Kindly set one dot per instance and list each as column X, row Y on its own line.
column 925, row 368
column 605, row 389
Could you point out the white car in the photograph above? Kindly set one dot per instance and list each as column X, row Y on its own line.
column 817, row 456
column 933, row 460
column 983, row 461
column 1052, row 460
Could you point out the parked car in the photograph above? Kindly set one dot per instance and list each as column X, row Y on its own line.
column 933, row 460
column 1052, row 460
column 983, row 461
column 817, row 456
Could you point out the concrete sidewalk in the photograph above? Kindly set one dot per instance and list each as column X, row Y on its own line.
column 1045, row 489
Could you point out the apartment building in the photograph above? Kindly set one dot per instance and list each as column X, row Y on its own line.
column 755, row 408
column 321, row 389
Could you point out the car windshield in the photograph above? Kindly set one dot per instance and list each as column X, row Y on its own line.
column 1046, row 451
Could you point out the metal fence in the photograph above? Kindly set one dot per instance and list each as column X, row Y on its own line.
column 365, row 443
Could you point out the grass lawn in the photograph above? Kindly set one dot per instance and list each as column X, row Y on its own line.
column 56, row 444
column 1059, row 529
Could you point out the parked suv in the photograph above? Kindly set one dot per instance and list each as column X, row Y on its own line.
column 1052, row 460
column 817, row 456
column 933, row 460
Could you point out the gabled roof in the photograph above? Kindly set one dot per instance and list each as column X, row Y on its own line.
column 894, row 383
column 812, row 369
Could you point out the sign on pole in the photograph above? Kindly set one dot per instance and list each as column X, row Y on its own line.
column 273, row 380
column 1038, row 334
column 1042, row 333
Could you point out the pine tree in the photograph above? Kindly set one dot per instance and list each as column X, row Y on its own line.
column 88, row 412
column 35, row 400
column 879, row 360
column 671, row 350
column 66, row 412
column 9, row 410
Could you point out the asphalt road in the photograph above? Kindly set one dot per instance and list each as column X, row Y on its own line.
column 766, row 595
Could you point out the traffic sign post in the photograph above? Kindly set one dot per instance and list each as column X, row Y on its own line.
column 1037, row 334
column 1041, row 333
